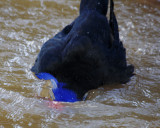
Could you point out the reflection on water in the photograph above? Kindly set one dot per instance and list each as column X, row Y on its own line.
column 26, row 25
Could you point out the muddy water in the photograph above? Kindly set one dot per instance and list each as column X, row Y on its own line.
column 26, row 24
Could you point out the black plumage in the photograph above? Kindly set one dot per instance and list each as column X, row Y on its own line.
column 87, row 53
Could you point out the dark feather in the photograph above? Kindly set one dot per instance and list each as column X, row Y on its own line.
column 87, row 53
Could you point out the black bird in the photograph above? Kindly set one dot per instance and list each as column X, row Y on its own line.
column 87, row 53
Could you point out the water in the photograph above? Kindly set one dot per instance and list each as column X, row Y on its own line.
column 26, row 25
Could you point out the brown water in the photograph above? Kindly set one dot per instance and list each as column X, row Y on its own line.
column 26, row 24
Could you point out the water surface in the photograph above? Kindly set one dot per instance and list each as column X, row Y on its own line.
column 26, row 24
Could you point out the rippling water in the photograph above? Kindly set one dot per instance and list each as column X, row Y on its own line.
column 27, row 24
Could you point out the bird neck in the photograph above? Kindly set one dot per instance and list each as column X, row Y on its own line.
column 59, row 89
column 63, row 94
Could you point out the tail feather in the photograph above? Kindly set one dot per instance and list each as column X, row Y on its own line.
column 100, row 6
column 119, row 52
column 113, row 23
